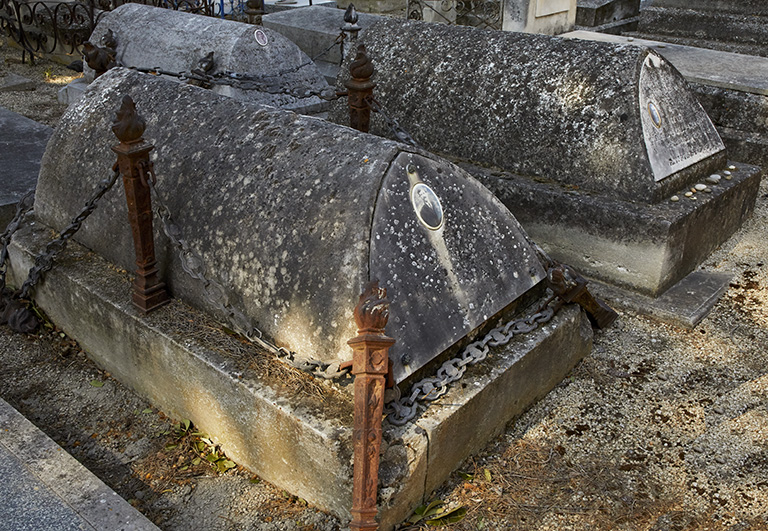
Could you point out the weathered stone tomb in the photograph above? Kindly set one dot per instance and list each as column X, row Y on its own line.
column 292, row 215
column 592, row 146
column 276, row 71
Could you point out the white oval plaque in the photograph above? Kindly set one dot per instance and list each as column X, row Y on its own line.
column 655, row 114
column 261, row 37
column 427, row 206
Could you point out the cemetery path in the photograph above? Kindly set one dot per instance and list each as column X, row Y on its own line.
column 41, row 103
column 659, row 429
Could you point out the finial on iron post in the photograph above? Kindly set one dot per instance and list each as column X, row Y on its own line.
column 99, row 59
column 360, row 91
column 350, row 27
column 370, row 365
column 133, row 162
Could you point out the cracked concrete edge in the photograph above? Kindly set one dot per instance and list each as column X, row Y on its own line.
column 90, row 498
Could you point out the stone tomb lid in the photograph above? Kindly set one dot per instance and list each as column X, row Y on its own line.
column 617, row 120
column 294, row 215
column 150, row 37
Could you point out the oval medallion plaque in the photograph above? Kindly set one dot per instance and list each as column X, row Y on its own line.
column 427, row 206
column 655, row 114
column 261, row 37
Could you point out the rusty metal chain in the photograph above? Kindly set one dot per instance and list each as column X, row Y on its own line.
column 44, row 261
column 22, row 209
column 193, row 265
column 400, row 133
column 403, row 409
column 257, row 83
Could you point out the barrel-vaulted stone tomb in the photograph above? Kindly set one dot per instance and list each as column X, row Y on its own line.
column 265, row 66
column 585, row 142
column 292, row 216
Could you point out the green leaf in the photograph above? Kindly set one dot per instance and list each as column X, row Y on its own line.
column 186, row 423
column 225, row 464
column 425, row 511
column 196, row 461
column 200, row 446
column 449, row 517
column 170, row 446
column 96, row 383
column 184, row 468
column 487, row 473
column 148, row 410
column 212, row 457
column 465, row 476
column 255, row 480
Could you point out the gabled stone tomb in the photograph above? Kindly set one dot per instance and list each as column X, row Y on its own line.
column 592, row 146
column 279, row 73
column 293, row 216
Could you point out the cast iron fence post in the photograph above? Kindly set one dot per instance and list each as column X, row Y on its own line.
column 370, row 364
column 360, row 91
column 134, row 164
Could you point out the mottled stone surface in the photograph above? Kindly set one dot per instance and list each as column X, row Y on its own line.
column 279, row 431
column 175, row 41
column 22, row 143
column 293, row 215
column 574, row 113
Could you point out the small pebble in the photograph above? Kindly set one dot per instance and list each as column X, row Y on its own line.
column 720, row 460
column 719, row 410
column 728, row 177
column 663, row 377
column 708, row 190
column 693, row 197
column 726, row 172
column 731, row 168
column 713, row 179
column 693, row 190
column 698, row 449
column 699, row 187
column 674, row 198
column 688, row 194
column 630, row 39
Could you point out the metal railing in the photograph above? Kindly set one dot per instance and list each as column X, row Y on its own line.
column 486, row 14
column 41, row 27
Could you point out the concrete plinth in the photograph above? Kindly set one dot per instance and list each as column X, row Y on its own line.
column 644, row 248
column 297, row 442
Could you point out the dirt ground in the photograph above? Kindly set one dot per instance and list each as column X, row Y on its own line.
column 659, row 429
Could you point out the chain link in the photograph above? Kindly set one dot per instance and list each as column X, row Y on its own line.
column 400, row 133
column 258, row 83
column 193, row 265
column 403, row 409
column 22, row 208
column 44, row 261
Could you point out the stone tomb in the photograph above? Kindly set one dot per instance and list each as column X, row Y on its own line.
column 174, row 41
column 292, row 215
column 592, row 146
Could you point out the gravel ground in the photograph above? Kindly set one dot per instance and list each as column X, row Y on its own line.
column 659, row 429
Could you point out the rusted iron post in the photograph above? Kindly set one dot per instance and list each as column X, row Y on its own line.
column 570, row 286
column 360, row 90
column 135, row 167
column 370, row 363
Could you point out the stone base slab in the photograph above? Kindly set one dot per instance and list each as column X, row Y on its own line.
column 646, row 248
column 295, row 440
column 684, row 305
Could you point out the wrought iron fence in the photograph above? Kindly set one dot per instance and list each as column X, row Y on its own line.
column 479, row 13
column 41, row 27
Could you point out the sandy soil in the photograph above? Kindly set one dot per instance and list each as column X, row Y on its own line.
column 659, row 429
